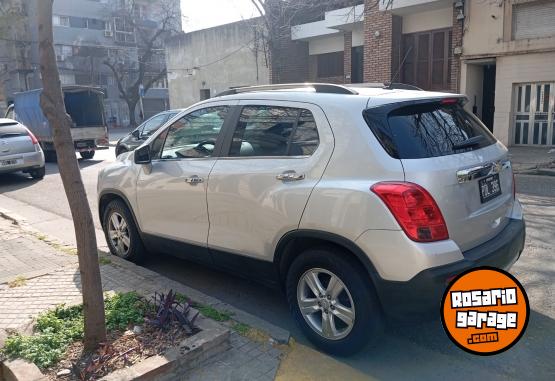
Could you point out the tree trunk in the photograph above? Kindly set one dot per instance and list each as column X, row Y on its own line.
column 52, row 104
column 132, row 106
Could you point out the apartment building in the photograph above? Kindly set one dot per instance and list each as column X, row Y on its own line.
column 86, row 33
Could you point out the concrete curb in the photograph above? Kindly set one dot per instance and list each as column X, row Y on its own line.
column 279, row 334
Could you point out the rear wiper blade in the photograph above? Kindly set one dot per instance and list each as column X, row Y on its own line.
column 473, row 141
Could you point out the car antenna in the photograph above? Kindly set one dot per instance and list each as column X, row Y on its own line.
column 390, row 84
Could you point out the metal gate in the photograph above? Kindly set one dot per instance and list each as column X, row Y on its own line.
column 533, row 114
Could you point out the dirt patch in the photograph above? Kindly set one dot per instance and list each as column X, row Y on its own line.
column 122, row 350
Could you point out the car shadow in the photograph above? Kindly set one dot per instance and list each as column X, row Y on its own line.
column 412, row 349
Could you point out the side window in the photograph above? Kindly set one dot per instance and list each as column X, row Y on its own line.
column 194, row 135
column 157, row 144
column 153, row 124
column 274, row 131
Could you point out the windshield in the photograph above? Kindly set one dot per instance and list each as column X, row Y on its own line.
column 428, row 130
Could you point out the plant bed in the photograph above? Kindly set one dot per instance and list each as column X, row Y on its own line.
column 139, row 331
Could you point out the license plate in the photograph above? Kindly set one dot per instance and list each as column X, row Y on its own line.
column 490, row 188
column 6, row 163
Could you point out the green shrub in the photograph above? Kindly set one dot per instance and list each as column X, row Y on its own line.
column 57, row 329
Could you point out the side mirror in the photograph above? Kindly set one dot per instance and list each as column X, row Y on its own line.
column 136, row 134
column 142, row 155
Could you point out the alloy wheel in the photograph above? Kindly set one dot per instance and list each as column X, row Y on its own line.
column 118, row 233
column 326, row 303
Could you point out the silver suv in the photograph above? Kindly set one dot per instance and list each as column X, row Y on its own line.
column 358, row 202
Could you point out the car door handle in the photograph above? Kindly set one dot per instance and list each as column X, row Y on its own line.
column 194, row 180
column 290, row 176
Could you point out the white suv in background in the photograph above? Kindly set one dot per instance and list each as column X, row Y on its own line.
column 359, row 202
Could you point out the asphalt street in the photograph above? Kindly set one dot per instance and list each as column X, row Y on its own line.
column 408, row 350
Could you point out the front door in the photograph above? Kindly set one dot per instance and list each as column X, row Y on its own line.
column 258, row 189
column 171, row 192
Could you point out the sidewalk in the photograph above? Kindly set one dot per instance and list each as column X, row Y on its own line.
column 47, row 275
column 524, row 159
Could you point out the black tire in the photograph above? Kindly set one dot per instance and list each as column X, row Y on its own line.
column 50, row 156
column 136, row 251
column 367, row 312
column 87, row 155
column 38, row 174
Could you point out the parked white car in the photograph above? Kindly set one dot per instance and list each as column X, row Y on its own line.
column 20, row 150
column 358, row 202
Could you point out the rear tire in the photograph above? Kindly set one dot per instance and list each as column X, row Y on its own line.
column 121, row 232
column 87, row 155
column 38, row 174
column 50, row 156
column 352, row 310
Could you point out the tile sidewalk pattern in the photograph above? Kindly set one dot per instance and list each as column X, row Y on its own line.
column 57, row 281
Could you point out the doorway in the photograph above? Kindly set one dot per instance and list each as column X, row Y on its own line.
column 488, row 96
column 357, row 64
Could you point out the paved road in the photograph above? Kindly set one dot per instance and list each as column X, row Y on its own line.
column 416, row 350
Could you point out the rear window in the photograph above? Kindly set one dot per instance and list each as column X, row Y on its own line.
column 426, row 130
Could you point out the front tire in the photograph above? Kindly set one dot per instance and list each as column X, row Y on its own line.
column 87, row 155
column 38, row 174
column 332, row 299
column 121, row 232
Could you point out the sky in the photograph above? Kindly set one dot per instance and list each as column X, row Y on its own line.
column 201, row 14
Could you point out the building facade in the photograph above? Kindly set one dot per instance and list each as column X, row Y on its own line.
column 86, row 33
column 206, row 62
column 508, row 68
column 499, row 53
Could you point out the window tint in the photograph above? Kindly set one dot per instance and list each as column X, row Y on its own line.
column 157, row 144
column 428, row 130
column 195, row 134
column 274, row 131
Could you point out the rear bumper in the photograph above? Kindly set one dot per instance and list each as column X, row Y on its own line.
column 423, row 293
column 26, row 161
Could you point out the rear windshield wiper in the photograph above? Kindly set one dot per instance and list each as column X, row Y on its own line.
column 471, row 142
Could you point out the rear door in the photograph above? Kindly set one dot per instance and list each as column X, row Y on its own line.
column 259, row 188
column 452, row 155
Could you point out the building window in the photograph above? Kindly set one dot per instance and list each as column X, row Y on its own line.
column 58, row 20
column 125, row 32
column 63, row 51
column 533, row 114
column 330, row 65
column 427, row 57
column 533, row 20
column 67, row 79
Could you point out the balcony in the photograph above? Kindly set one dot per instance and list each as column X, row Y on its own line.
column 402, row 7
column 334, row 22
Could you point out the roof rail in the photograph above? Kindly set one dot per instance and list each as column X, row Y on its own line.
column 387, row 85
column 328, row 88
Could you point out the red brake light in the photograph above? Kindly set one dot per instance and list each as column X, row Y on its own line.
column 32, row 136
column 414, row 209
column 449, row 101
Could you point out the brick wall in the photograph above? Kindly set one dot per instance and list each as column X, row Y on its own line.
column 289, row 60
column 378, row 47
column 348, row 45
column 456, row 42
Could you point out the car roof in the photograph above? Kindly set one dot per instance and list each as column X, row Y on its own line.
column 367, row 96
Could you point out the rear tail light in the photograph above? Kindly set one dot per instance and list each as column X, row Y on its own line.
column 414, row 209
column 32, row 136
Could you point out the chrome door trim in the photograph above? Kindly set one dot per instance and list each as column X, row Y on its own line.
column 476, row 172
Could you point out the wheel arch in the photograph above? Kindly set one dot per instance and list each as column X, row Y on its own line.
column 108, row 196
column 295, row 242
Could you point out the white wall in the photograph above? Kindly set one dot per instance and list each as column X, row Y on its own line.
column 229, row 51
column 327, row 44
column 517, row 69
column 358, row 36
column 429, row 20
column 472, row 82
